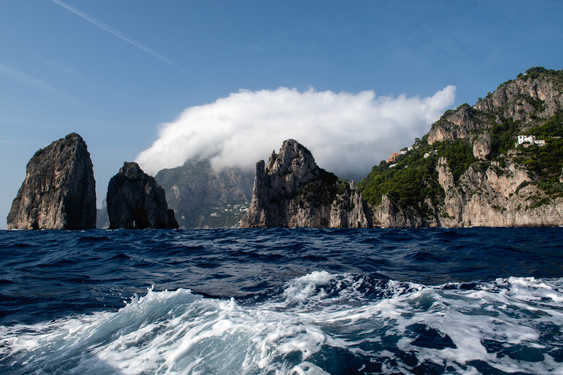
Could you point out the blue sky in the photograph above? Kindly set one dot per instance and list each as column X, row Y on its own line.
column 114, row 70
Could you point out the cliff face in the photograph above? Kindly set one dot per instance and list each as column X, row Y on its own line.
column 59, row 189
column 496, row 197
column 470, row 171
column 536, row 94
column 292, row 191
column 204, row 198
column 135, row 201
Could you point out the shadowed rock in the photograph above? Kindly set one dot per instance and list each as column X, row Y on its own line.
column 136, row 201
column 203, row 197
column 59, row 189
column 292, row 191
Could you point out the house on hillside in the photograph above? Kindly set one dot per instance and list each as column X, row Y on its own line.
column 531, row 139
column 394, row 156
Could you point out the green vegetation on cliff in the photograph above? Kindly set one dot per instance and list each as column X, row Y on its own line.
column 545, row 163
column 408, row 183
column 412, row 179
column 459, row 154
column 537, row 71
column 503, row 137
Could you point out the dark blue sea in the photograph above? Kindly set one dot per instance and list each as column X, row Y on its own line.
column 280, row 301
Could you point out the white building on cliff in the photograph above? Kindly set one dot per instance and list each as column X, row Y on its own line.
column 531, row 139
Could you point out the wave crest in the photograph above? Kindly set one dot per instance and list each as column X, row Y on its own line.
column 320, row 323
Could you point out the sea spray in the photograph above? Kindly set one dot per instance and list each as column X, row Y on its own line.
column 280, row 301
column 495, row 325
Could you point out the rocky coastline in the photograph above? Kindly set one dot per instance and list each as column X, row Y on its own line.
column 475, row 167
column 59, row 189
column 498, row 163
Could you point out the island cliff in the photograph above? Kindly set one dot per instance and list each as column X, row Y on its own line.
column 205, row 198
column 136, row 201
column 497, row 163
column 292, row 191
column 59, row 189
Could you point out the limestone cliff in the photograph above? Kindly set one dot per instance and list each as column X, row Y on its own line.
column 136, row 201
column 202, row 197
column 292, row 191
column 495, row 196
column 497, row 163
column 59, row 189
column 469, row 170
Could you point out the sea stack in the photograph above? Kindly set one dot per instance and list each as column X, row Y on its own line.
column 292, row 191
column 136, row 201
column 59, row 190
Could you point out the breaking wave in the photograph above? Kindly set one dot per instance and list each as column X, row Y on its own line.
column 319, row 323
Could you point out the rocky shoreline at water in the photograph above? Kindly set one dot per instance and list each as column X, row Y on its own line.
column 59, row 193
column 498, row 163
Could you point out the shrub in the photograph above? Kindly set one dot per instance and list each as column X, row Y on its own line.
column 459, row 154
column 408, row 184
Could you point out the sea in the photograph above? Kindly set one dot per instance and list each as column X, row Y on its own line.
column 282, row 301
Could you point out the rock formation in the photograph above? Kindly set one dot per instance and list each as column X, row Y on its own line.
column 202, row 197
column 482, row 146
column 535, row 94
column 59, row 189
column 292, row 191
column 467, row 171
column 135, row 201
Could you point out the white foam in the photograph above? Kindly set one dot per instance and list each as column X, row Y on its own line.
column 177, row 332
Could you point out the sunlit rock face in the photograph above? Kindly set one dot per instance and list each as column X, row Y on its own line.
column 483, row 176
column 292, row 191
column 59, row 189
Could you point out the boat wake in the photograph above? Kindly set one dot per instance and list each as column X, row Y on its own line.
column 320, row 323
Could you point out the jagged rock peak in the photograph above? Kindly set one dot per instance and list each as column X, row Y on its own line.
column 136, row 201
column 472, row 168
column 132, row 170
column 292, row 157
column 59, row 189
column 537, row 92
column 292, row 191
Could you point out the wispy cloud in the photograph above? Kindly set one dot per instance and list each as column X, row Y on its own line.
column 25, row 78
column 116, row 33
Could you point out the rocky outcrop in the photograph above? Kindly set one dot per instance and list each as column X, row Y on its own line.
column 460, row 123
column 497, row 197
column 471, row 170
column 59, row 189
column 292, row 191
column 533, row 94
column 203, row 197
column 482, row 146
column 136, row 201
column 467, row 171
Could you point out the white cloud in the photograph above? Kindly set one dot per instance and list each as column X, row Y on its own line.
column 347, row 133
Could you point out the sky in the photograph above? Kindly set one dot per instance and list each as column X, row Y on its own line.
column 159, row 81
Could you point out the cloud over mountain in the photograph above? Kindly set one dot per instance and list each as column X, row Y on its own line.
column 346, row 132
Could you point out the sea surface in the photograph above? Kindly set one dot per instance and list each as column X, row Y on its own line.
column 281, row 301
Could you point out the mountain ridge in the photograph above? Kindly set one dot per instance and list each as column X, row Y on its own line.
column 496, row 163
